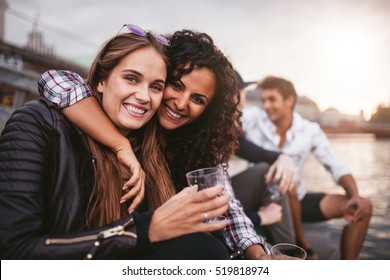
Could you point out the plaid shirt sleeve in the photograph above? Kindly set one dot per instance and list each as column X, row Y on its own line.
column 63, row 88
column 240, row 233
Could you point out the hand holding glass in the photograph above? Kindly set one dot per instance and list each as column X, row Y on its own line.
column 207, row 178
column 349, row 212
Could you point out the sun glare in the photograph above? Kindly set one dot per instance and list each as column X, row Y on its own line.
column 349, row 54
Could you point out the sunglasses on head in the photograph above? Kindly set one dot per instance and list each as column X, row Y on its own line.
column 142, row 32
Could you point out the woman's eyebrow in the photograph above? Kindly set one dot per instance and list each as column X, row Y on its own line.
column 132, row 71
column 140, row 74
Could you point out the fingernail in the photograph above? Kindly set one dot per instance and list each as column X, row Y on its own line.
column 123, row 200
column 130, row 211
column 125, row 188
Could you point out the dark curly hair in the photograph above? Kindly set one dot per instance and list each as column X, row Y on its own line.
column 211, row 139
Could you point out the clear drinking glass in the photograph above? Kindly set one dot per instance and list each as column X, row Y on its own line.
column 286, row 249
column 273, row 189
column 207, row 178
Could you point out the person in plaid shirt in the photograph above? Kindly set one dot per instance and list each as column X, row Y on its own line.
column 198, row 116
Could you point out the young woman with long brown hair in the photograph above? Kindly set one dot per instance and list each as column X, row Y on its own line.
column 60, row 189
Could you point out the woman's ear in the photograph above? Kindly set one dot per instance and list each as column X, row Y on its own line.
column 100, row 87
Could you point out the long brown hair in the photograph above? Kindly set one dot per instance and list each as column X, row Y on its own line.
column 110, row 174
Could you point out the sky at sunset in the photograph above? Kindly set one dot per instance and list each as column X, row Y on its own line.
column 336, row 52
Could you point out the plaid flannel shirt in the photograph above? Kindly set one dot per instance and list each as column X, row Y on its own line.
column 240, row 233
column 65, row 88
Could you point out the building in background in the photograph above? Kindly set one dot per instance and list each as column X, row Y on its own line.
column 308, row 109
column 20, row 68
column 2, row 18
column 36, row 44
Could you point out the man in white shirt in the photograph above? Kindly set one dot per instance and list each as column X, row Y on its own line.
column 279, row 128
column 250, row 184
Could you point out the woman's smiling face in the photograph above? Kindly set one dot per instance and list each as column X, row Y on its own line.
column 133, row 91
column 185, row 100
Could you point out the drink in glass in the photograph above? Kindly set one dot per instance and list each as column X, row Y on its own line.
column 206, row 178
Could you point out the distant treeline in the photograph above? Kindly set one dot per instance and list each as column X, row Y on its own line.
column 382, row 115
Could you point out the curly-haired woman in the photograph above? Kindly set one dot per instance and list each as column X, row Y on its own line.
column 199, row 122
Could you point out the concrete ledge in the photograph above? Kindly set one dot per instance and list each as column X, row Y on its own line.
column 322, row 241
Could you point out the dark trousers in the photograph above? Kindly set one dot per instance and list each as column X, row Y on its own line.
column 195, row 246
column 250, row 188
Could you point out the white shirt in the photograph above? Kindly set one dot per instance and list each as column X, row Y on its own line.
column 302, row 138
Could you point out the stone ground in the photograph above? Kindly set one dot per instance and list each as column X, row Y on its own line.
column 325, row 238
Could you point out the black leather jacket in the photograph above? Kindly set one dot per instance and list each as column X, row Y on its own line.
column 45, row 180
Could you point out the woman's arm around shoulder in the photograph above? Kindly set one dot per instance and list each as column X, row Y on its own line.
column 69, row 92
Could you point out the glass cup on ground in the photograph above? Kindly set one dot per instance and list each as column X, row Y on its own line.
column 285, row 249
column 207, row 178
column 273, row 189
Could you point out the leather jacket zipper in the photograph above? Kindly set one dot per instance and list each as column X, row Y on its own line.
column 118, row 230
column 98, row 237
column 65, row 241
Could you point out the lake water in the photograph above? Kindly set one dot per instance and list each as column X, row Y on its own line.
column 369, row 159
